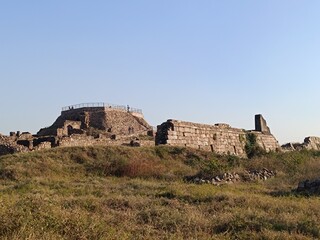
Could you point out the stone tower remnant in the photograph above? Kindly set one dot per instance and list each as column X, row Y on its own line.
column 261, row 124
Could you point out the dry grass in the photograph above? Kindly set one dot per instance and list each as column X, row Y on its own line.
column 133, row 193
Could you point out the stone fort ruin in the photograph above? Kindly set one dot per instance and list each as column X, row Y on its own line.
column 107, row 124
column 85, row 125
column 106, row 119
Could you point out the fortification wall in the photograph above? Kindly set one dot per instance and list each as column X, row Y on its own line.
column 219, row 138
column 267, row 141
column 124, row 123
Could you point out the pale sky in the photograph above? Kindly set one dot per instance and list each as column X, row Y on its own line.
column 200, row 61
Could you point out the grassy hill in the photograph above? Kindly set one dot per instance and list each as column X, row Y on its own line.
column 139, row 193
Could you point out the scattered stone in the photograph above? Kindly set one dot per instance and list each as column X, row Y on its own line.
column 229, row 178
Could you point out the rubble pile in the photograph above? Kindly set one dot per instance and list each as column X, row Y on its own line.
column 229, row 178
column 263, row 174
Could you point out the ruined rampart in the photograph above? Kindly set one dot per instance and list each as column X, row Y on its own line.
column 8, row 145
column 103, row 124
column 219, row 138
column 309, row 143
column 109, row 118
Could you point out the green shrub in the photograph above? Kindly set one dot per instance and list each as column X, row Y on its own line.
column 252, row 148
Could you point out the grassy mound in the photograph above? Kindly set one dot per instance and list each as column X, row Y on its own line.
column 138, row 193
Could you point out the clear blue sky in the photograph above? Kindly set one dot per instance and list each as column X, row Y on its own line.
column 201, row 61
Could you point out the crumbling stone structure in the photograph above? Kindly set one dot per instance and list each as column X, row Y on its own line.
column 8, row 145
column 309, row 143
column 312, row 143
column 219, row 138
column 113, row 119
column 85, row 125
column 261, row 124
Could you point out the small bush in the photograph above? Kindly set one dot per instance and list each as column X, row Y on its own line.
column 252, row 148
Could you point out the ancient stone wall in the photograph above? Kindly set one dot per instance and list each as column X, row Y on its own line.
column 76, row 140
column 267, row 141
column 9, row 146
column 43, row 145
column 124, row 123
column 53, row 140
column 69, row 127
column 219, row 138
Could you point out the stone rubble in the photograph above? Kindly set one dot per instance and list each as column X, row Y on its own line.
column 229, row 178
column 263, row 174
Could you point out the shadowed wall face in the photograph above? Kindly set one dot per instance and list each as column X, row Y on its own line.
column 261, row 124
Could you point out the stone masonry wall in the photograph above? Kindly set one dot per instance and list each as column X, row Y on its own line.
column 267, row 141
column 9, row 146
column 219, row 138
column 124, row 123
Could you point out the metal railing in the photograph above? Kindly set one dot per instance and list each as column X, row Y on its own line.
column 101, row 104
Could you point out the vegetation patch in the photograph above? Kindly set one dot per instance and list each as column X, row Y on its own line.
column 252, row 148
column 138, row 193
